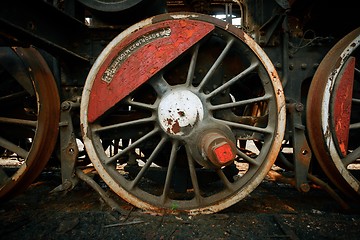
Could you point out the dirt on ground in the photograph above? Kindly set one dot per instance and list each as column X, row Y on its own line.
column 273, row 211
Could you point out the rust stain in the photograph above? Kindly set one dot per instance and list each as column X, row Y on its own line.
column 153, row 70
column 176, row 127
column 342, row 106
column 338, row 63
column 126, row 74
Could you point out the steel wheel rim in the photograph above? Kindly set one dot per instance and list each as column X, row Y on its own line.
column 321, row 118
column 45, row 128
column 197, row 204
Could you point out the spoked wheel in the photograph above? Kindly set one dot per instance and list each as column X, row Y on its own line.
column 333, row 114
column 29, row 117
column 183, row 113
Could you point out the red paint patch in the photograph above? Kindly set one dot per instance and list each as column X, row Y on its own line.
column 142, row 62
column 342, row 105
column 224, row 154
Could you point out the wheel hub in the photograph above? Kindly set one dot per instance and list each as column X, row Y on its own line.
column 217, row 147
column 179, row 112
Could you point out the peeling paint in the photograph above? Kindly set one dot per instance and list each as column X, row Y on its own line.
column 180, row 111
column 117, row 71
column 184, row 16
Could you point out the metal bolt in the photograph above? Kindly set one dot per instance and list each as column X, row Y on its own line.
column 305, row 187
column 299, row 107
column 71, row 151
column 65, row 105
column 278, row 65
column 219, row 150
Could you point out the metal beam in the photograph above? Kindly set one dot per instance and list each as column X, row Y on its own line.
column 43, row 25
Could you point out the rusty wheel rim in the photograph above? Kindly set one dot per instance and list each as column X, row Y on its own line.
column 154, row 146
column 29, row 119
column 332, row 119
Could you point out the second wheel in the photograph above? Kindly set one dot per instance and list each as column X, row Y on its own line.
column 333, row 114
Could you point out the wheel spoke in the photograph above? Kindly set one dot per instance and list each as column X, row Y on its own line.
column 10, row 97
column 170, row 171
column 24, row 122
column 192, row 66
column 229, row 186
column 247, row 158
column 356, row 101
column 132, row 146
column 160, row 85
column 357, row 72
column 124, row 124
column 239, row 103
column 216, row 64
column 13, row 148
column 354, row 126
column 141, row 105
column 193, row 175
column 351, row 157
column 245, row 127
column 148, row 163
column 226, row 85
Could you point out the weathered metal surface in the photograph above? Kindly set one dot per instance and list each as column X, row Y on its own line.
column 138, row 57
column 218, row 148
column 180, row 111
column 302, row 152
column 197, row 110
column 74, row 34
column 44, row 129
column 342, row 104
column 320, row 116
column 69, row 151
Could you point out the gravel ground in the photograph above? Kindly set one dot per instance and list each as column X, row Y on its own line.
column 273, row 211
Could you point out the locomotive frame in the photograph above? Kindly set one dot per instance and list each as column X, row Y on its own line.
column 61, row 83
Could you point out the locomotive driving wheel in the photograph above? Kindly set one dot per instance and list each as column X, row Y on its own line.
column 333, row 114
column 29, row 117
column 174, row 110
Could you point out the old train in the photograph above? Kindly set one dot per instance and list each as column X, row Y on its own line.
column 180, row 106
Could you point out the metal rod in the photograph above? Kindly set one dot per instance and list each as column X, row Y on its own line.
column 112, row 204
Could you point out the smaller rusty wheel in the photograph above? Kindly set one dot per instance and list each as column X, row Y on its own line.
column 173, row 111
column 29, row 117
column 333, row 114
